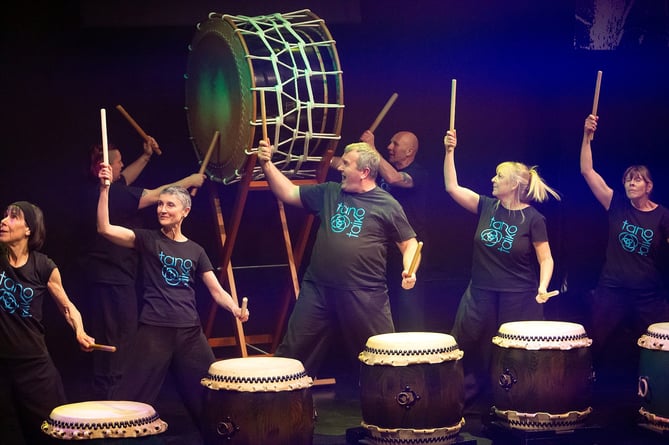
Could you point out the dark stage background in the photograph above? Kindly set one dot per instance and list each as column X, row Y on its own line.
column 524, row 89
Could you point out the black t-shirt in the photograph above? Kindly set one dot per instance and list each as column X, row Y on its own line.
column 169, row 268
column 634, row 246
column 104, row 261
column 22, row 292
column 504, row 258
column 412, row 199
column 353, row 235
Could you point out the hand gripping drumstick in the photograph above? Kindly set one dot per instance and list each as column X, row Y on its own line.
column 205, row 161
column 451, row 125
column 383, row 112
column 136, row 126
column 545, row 297
column 414, row 260
column 105, row 348
column 105, row 145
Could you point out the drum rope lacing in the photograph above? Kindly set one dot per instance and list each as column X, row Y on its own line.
column 519, row 337
column 270, row 379
column 402, row 352
column 657, row 335
column 103, row 425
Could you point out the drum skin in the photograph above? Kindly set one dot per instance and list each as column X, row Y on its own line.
column 548, row 381
column 254, row 418
column 416, row 396
column 653, row 367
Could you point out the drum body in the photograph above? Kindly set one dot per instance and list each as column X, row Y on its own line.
column 542, row 375
column 412, row 387
column 292, row 59
column 106, row 421
column 258, row 400
column 654, row 375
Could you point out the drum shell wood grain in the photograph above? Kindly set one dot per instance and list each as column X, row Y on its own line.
column 545, row 380
column 278, row 418
column 439, row 387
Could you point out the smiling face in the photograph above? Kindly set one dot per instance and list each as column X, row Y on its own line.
column 171, row 210
column 351, row 177
column 401, row 149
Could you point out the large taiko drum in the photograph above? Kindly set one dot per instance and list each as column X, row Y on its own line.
column 106, row 421
column 411, row 388
column 654, row 376
column 542, row 375
column 258, row 400
column 293, row 60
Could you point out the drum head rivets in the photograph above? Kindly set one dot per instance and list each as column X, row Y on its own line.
column 407, row 398
column 227, row 428
column 507, row 379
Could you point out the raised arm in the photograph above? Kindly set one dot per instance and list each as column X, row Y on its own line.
column 597, row 185
column 462, row 195
column 150, row 196
column 221, row 297
column 386, row 169
column 282, row 187
column 116, row 234
column 132, row 171
column 69, row 310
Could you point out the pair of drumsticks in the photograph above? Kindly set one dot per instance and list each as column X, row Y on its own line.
column 108, row 348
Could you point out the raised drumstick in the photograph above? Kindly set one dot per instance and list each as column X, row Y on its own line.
column 383, row 112
column 595, row 101
column 205, row 161
column 416, row 256
column 263, row 115
column 105, row 144
column 105, row 348
column 136, row 126
column 545, row 297
column 451, row 125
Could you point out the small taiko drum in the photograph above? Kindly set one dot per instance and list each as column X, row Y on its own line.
column 411, row 388
column 654, row 376
column 110, row 421
column 542, row 375
column 258, row 400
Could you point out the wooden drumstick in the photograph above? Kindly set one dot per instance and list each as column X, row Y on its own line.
column 136, row 126
column 245, row 304
column 105, row 348
column 383, row 112
column 451, row 125
column 595, row 102
column 416, row 256
column 205, row 161
column 263, row 115
column 548, row 295
column 105, row 144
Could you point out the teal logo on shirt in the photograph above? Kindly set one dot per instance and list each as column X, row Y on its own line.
column 176, row 270
column 347, row 220
column 635, row 239
column 15, row 297
column 499, row 234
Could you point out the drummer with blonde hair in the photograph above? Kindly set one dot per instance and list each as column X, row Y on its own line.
column 510, row 239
